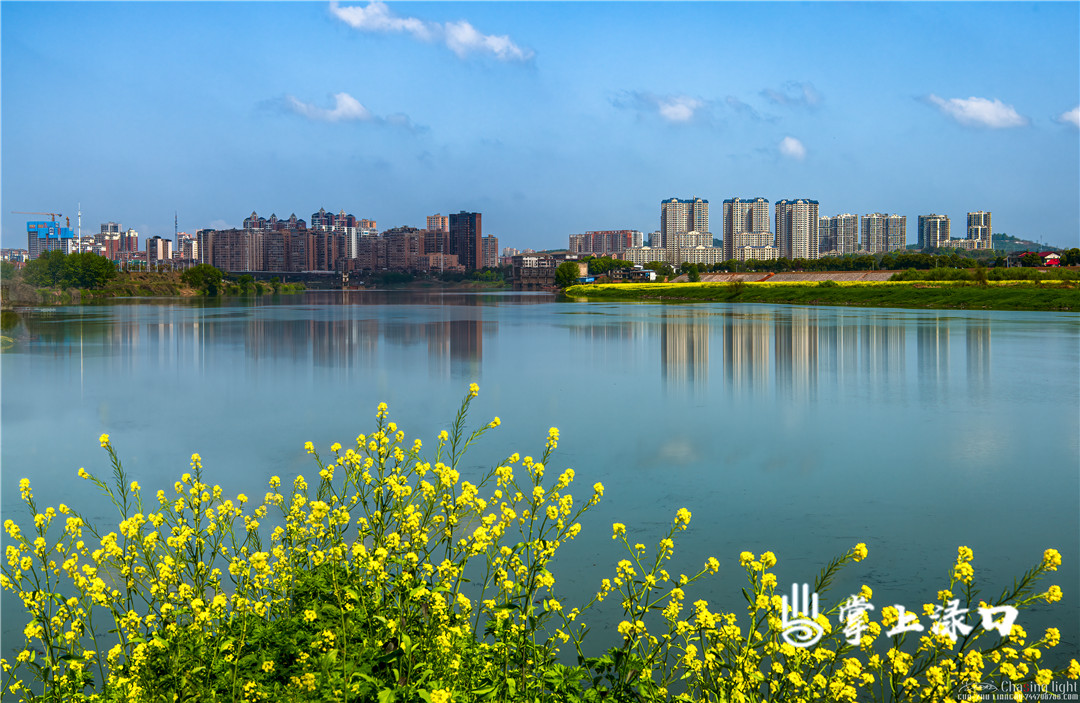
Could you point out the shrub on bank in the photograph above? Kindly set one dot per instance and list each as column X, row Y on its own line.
column 390, row 577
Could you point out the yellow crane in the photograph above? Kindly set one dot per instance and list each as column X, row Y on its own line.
column 53, row 215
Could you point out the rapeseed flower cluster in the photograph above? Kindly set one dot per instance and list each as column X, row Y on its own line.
column 392, row 577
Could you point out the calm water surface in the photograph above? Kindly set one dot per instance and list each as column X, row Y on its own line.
column 797, row 429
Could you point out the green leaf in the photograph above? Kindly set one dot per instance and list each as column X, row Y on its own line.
column 387, row 695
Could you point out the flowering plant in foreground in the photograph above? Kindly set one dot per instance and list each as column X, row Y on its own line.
column 389, row 577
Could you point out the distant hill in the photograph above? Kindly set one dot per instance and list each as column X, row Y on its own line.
column 1006, row 243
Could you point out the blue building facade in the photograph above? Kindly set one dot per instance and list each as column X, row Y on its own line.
column 48, row 236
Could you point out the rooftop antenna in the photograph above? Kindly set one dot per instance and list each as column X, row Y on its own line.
column 175, row 227
column 80, row 220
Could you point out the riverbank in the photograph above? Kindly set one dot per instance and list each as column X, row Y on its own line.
column 1010, row 295
column 17, row 293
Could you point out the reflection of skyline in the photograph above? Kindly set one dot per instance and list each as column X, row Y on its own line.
column 684, row 345
column 796, row 346
column 785, row 348
column 746, row 351
column 791, row 349
column 347, row 338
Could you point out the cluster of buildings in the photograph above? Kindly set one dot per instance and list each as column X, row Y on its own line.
column 332, row 242
column 342, row 242
column 112, row 242
column 795, row 231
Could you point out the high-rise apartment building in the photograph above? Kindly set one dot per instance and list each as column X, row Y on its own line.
column 186, row 246
column 882, row 233
column 746, row 224
column 838, row 235
column 681, row 216
column 934, row 231
column 979, row 231
column 466, row 233
column 489, row 246
column 606, row 242
column 129, row 241
column 797, row 228
column 438, row 223
column 158, row 249
column 49, row 236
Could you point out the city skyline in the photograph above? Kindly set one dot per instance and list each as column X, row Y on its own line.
column 551, row 119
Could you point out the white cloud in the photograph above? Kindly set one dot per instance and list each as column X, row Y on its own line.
column 346, row 109
column 1071, row 117
column 460, row 37
column 792, row 148
column 794, row 94
column 979, row 112
column 376, row 17
column 678, row 109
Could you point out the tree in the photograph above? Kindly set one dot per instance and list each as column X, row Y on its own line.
column 662, row 268
column 566, row 274
column 692, row 274
column 204, row 277
column 1031, row 259
column 59, row 270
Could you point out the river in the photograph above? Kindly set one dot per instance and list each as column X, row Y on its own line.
column 801, row 430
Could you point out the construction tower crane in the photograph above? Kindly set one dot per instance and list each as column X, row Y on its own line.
column 53, row 215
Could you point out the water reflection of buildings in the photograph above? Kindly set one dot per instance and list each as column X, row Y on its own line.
column 796, row 344
column 347, row 338
column 977, row 337
column 746, row 351
column 797, row 350
column 684, row 345
column 932, row 336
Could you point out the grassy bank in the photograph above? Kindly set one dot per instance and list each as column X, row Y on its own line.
column 391, row 578
column 16, row 292
column 1011, row 295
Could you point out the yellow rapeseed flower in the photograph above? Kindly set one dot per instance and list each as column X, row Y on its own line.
column 1053, row 594
column 104, row 439
column 860, row 551
column 1051, row 559
column 617, row 529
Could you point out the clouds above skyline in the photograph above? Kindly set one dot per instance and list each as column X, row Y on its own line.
column 793, row 94
column 675, row 109
column 792, row 148
column 374, row 112
column 979, row 112
column 346, row 109
column 460, row 37
column 1071, row 117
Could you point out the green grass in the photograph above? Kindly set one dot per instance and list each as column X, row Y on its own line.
column 1021, row 295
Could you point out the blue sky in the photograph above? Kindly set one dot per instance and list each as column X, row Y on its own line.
column 549, row 118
